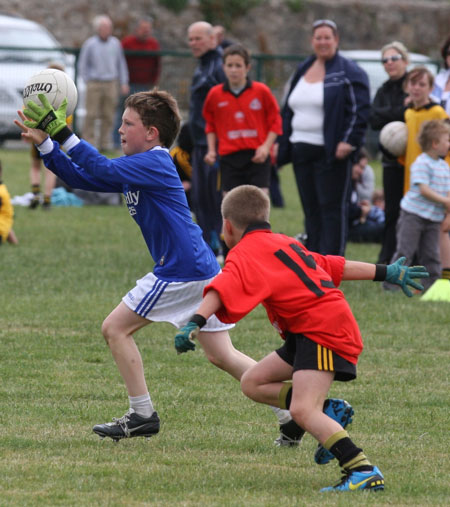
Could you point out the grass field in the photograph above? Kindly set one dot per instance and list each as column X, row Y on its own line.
column 215, row 447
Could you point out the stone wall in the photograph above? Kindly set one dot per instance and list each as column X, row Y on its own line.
column 272, row 27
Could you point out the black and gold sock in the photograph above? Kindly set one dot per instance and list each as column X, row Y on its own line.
column 285, row 395
column 349, row 456
column 36, row 189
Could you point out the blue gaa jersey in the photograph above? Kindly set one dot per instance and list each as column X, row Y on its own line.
column 155, row 199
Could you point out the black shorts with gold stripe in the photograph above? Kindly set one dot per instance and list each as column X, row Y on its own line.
column 305, row 354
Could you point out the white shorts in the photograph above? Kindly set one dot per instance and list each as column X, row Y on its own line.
column 173, row 302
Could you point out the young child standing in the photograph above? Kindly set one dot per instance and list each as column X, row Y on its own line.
column 298, row 290
column 242, row 122
column 418, row 84
column 424, row 206
column 6, row 214
column 156, row 200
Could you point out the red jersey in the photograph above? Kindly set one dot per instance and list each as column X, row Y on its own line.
column 241, row 122
column 142, row 69
column 296, row 287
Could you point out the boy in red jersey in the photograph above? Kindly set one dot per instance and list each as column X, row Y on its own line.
column 242, row 122
column 322, row 339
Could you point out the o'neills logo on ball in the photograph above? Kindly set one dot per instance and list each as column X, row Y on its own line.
column 34, row 88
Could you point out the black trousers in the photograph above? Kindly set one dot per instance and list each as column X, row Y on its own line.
column 206, row 197
column 393, row 177
column 324, row 187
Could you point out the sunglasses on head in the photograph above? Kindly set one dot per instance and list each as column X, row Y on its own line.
column 326, row 22
column 393, row 58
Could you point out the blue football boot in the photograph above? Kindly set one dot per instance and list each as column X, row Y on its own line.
column 340, row 411
column 354, row 480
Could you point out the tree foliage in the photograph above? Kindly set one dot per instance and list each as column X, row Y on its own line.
column 224, row 11
column 174, row 5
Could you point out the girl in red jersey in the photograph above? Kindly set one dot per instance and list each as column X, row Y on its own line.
column 242, row 122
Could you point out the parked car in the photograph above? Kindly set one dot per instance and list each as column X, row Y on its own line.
column 370, row 61
column 18, row 63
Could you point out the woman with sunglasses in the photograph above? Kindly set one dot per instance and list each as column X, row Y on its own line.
column 389, row 105
column 324, row 121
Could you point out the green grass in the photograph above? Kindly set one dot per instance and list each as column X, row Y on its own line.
column 58, row 379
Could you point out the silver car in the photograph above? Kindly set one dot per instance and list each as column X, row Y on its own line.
column 18, row 63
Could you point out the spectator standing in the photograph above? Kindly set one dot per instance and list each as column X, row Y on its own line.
column 222, row 42
column 206, row 195
column 389, row 105
column 103, row 67
column 242, row 123
column 144, row 70
column 424, row 206
column 324, row 122
column 441, row 90
column 418, row 84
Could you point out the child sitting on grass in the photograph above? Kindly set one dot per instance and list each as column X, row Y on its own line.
column 298, row 288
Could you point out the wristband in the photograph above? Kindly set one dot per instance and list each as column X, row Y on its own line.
column 45, row 147
column 380, row 272
column 62, row 136
column 44, row 123
column 198, row 319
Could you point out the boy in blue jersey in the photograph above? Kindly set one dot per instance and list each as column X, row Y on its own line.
column 184, row 263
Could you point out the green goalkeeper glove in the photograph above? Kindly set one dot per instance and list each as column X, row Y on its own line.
column 47, row 119
column 399, row 274
column 184, row 339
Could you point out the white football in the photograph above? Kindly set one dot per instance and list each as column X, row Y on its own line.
column 56, row 85
column 393, row 137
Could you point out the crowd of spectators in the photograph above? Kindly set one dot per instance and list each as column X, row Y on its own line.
column 236, row 133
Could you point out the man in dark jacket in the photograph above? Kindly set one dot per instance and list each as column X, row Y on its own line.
column 206, row 197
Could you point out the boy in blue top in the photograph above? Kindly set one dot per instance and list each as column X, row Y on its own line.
column 184, row 263
column 424, row 206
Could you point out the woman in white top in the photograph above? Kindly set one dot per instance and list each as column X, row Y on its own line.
column 324, row 123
